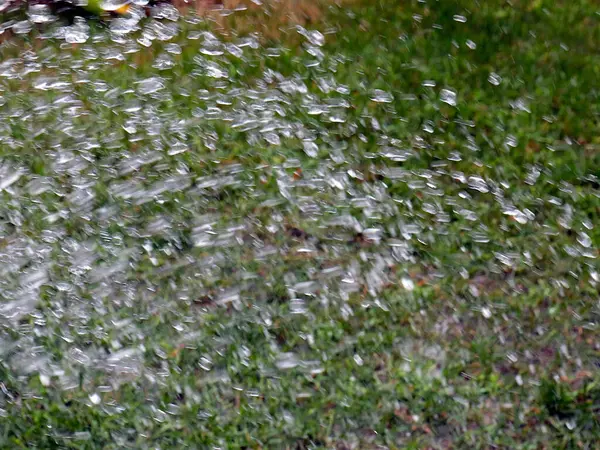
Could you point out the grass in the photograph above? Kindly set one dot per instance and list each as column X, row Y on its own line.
column 428, row 280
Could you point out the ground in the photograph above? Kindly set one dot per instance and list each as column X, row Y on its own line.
column 378, row 229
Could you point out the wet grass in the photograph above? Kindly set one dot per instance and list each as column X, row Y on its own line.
column 425, row 276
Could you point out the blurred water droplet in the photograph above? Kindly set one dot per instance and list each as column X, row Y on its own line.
column 315, row 37
column 76, row 36
column 150, row 85
column 273, row 138
column 95, row 399
column 494, row 79
column 311, row 149
column 584, row 239
column 511, row 141
column 408, row 284
column 22, row 27
column 40, row 13
column 448, row 96
column 379, row 96
column 287, row 361
column 520, row 105
column 45, row 380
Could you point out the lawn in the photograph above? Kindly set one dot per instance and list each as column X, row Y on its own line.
column 343, row 225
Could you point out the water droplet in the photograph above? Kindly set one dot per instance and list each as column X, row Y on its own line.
column 408, row 284
column 448, row 96
column 313, row 36
column 287, row 361
column 311, row 149
column 379, row 96
column 150, row 85
column 22, row 27
column 494, row 79
column 520, row 105
column 95, row 399
column 76, row 36
column 584, row 239
column 511, row 141
column 40, row 13
column 273, row 138
column 44, row 379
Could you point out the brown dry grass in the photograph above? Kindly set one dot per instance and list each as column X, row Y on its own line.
column 272, row 19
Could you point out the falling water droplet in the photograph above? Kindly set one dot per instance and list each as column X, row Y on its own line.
column 311, row 149
column 408, row 284
column 584, row 239
column 379, row 96
column 150, row 85
column 448, row 96
column 45, row 380
column 494, row 79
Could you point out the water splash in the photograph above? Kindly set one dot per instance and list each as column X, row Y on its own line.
column 218, row 200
